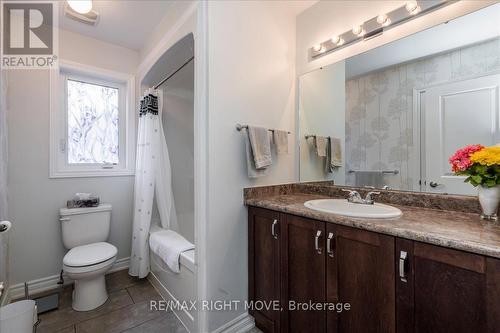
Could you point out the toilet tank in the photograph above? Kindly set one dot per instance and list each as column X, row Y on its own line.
column 82, row 226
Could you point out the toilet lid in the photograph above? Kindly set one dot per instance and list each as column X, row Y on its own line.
column 91, row 254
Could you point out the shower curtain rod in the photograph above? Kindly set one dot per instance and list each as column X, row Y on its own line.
column 175, row 72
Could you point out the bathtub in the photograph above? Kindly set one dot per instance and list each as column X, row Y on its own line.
column 172, row 286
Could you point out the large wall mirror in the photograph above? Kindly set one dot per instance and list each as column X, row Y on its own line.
column 395, row 114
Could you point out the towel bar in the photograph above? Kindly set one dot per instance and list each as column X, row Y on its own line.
column 239, row 127
column 314, row 135
column 395, row 172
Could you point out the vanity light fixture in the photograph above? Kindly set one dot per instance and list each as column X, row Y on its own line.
column 376, row 26
column 412, row 7
column 383, row 20
column 318, row 48
column 337, row 40
column 358, row 30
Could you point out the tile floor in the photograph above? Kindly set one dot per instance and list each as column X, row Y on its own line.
column 127, row 310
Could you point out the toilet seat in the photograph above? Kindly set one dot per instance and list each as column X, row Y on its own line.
column 83, row 270
column 90, row 255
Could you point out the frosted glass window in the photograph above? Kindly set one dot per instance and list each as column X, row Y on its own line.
column 93, row 123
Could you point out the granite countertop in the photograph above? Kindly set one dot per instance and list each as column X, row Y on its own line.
column 453, row 229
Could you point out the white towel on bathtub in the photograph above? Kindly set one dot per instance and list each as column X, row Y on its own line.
column 169, row 245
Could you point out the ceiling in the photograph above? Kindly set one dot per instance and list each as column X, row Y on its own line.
column 125, row 23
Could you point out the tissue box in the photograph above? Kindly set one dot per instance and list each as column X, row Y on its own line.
column 83, row 200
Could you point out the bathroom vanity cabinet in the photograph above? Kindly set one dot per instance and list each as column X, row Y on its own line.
column 379, row 283
column 445, row 290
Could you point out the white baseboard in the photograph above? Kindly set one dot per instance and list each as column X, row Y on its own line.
column 50, row 282
column 242, row 323
column 120, row 265
column 183, row 315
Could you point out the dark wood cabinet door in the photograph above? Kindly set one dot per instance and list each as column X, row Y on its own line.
column 302, row 274
column 446, row 290
column 264, row 267
column 361, row 273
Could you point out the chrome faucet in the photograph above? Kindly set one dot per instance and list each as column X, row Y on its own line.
column 355, row 197
column 368, row 199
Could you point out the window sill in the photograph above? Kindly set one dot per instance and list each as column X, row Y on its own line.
column 90, row 173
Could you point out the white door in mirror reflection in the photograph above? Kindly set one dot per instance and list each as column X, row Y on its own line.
column 455, row 115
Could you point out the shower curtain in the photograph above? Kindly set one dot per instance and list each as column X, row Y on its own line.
column 152, row 176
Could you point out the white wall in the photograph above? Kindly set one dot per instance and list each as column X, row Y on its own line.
column 4, row 236
column 322, row 112
column 327, row 18
column 34, row 199
column 251, row 81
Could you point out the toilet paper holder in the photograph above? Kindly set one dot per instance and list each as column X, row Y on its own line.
column 5, row 226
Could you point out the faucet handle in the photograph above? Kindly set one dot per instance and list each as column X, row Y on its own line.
column 368, row 197
column 354, row 196
column 351, row 192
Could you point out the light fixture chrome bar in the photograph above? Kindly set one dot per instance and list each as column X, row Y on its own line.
column 376, row 26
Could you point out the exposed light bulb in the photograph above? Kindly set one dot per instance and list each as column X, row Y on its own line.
column 337, row 40
column 317, row 47
column 383, row 19
column 412, row 7
column 80, row 6
column 358, row 30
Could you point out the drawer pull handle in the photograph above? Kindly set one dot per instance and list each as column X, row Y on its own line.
column 316, row 242
column 403, row 257
column 273, row 229
column 329, row 249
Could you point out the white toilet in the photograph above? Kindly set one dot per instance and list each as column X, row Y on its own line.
column 84, row 233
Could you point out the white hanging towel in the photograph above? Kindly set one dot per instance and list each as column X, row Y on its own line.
column 261, row 146
column 252, row 171
column 169, row 245
column 281, row 141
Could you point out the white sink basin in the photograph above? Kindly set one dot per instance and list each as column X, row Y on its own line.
column 343, row 207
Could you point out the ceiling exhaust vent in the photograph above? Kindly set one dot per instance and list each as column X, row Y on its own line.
column 90, row 18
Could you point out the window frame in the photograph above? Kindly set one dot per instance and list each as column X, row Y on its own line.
column 125, row 83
